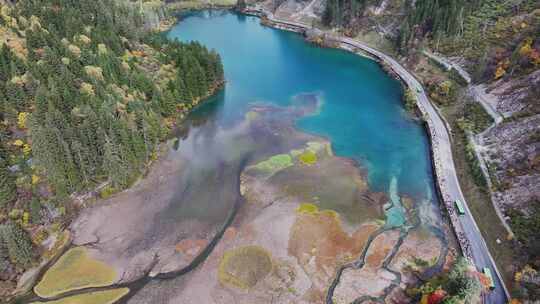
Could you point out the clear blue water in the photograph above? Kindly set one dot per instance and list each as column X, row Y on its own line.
column 362, row 112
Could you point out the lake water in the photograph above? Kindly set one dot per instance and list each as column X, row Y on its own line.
column 361, row 114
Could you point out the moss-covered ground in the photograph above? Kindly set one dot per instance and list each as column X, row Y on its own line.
column 244, row 267
column 74, row 270
column 98, row 297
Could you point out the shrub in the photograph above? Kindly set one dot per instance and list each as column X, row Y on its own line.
column 477, row 117
column 474, row 166
column 107, row 191
column 526, row 228
column 410, row 100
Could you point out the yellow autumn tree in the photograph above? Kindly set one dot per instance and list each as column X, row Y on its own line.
column 526, row 48
column 21, row 120
column 499, row 72
column 27, row 149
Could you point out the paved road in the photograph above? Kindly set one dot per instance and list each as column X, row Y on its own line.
column 445, row 168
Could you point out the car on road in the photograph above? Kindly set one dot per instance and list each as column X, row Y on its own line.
column 459, row 207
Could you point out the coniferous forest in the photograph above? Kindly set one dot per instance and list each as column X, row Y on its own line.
column 484, row 32
column 86, row 95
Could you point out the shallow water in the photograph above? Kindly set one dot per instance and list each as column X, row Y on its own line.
column 361, row 113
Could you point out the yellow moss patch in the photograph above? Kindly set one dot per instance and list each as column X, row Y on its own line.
column 307, row 208
column 308, row 157
column 244, row 267
column 98, row 297
column 74, row 270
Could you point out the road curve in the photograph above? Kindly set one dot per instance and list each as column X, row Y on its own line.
column 473, row 244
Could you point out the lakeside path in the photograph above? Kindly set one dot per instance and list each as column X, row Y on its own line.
column 469, row 236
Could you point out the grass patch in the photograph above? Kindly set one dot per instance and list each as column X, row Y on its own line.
column 244, row 267
column 98, row 297
column 275, row 163
column 74, row 270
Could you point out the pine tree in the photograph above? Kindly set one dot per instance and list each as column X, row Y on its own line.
column 114, row 164
column 18, row 242
column 35, row 210
column 4, row 255
column 8, row 190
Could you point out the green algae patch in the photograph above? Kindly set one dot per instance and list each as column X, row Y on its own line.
column 308, row 157
column 244, row 267
column 74, row 270
column 275, row 164
column 97, row 297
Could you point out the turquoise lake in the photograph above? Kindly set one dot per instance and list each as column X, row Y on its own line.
column 362, row 113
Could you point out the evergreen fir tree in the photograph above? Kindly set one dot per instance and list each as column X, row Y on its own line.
column 8, row 190
column 19, row 245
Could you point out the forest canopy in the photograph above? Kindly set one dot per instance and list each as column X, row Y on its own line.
column 86, row 95
column 85, row 99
